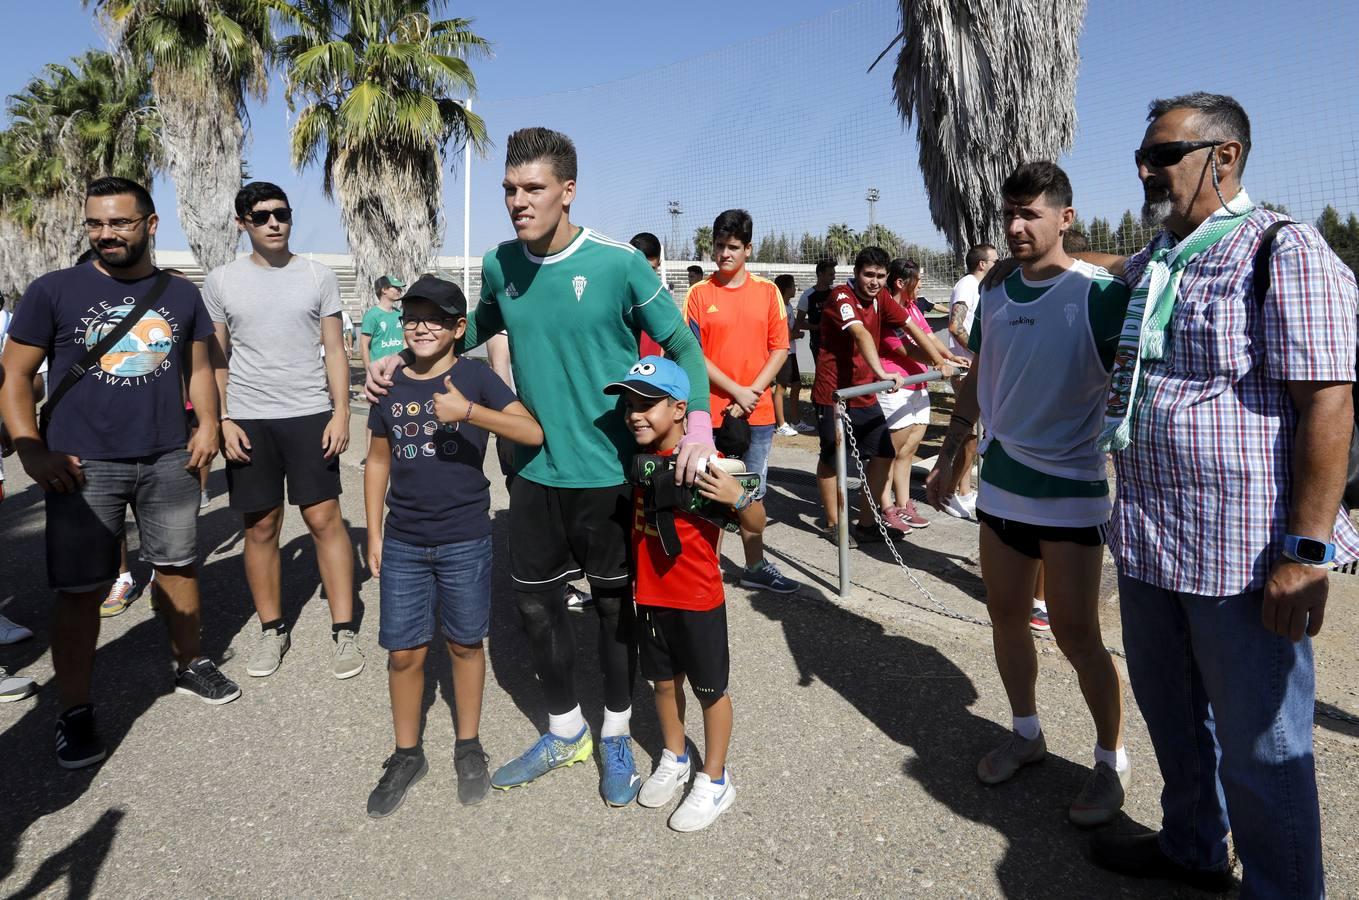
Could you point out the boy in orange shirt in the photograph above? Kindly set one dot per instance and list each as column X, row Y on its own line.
column 742, row 325
column 681, row 606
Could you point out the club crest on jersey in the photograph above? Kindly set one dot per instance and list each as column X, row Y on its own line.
column 578, row 283
column 511, row 291
column 1070, row 309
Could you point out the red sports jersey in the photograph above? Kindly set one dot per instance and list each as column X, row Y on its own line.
column 692, row 580
column 838, row 361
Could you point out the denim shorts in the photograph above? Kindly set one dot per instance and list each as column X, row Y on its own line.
column 85, row 529
column 757, row 457
column 452, row 581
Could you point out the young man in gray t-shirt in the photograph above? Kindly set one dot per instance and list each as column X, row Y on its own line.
column 285, row 416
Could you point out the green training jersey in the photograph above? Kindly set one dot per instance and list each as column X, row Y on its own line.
column 384, row 329
column 573, row 320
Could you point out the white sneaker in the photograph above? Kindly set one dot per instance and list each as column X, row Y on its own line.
column 706, row 801
column 969, row 503
column 786, row 430
column 12, row 632
column 954, row 507
column 669, row 777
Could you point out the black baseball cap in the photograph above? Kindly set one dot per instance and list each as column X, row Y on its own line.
column 444, row 294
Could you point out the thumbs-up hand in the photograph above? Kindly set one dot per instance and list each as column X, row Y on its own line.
column 451, row 406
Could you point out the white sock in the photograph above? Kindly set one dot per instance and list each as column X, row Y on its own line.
column 1117, row 759
column 125, row 577
column 615, row 723
column 567, row 725
column 1026, row 727
column 1040, row 604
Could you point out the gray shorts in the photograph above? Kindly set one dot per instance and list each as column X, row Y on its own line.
column 85, row 529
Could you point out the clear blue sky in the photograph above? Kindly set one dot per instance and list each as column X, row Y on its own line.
column 768, row 105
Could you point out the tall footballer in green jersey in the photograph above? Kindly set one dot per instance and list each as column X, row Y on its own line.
column 572, row 318
column 573, row 304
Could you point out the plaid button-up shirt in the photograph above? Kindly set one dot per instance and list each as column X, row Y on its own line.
column 1204, row 489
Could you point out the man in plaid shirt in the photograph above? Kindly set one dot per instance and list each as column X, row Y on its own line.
column 1229, row 512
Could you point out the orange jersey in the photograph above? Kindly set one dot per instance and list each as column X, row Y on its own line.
column 738, row 328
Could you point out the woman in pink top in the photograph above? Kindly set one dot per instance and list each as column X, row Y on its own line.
column 908, row 410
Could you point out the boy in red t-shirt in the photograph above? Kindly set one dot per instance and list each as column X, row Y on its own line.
column 681, row 609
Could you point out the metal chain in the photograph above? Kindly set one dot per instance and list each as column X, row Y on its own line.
column 867, row 492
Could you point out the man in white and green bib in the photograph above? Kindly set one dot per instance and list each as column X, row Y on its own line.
column 1044, row 340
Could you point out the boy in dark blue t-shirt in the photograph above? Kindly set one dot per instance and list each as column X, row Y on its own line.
column 434, row 559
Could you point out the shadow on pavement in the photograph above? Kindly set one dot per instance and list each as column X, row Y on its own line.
column 79, row 862
column 920, row 699
column 131, row 672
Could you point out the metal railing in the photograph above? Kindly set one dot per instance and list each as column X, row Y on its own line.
column 842, row 467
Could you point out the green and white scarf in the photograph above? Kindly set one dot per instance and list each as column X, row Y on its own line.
column 1149, row 312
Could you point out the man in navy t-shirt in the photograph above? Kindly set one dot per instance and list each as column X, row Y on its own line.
column 118, row 436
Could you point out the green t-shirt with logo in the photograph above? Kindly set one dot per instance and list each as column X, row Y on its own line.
column 573, row 320
column 385, row 330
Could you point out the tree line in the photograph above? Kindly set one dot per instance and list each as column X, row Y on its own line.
column 377, row 90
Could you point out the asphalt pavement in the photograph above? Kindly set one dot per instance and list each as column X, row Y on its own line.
column 859, row 723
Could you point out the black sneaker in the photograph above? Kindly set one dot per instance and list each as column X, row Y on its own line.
column 202, row 679
column 474, row 780
column 78, row 743
column 399, row 773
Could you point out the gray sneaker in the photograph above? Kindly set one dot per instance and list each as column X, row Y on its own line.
column 269, row 654
column 15, row 687
column 1101, row 798
column 347, row 661
column 1001, row 763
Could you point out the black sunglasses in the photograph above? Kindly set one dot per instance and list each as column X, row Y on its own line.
column 1159, row 156
column 261, row 216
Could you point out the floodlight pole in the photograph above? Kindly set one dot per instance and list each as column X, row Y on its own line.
column 467, row 210
column 676, row 210
column 873, row 196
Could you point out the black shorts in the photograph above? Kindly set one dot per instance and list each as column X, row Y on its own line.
column 789, row 374
column 685, row 642
column 1022, row 537
column 558, row 533
column 869, row 426
column 283, row 451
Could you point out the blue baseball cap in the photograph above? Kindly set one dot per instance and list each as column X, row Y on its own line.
column 654, row 377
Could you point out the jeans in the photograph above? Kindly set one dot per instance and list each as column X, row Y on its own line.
column 1229, row 707
column 450, row 583
column 757, row 457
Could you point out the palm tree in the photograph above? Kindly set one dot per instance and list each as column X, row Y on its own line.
column 990, row 86
column 70, row 124
column 841, row 243
column 206, row 57
column 380, row 81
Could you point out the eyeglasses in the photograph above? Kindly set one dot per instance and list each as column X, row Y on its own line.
column 431, row 323
column 1159, row 156
column 122, row 226
column 283, row 214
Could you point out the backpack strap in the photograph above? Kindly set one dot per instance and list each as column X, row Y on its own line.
column 1260, row 276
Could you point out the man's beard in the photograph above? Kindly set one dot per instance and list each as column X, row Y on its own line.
column 123, row 255
column 1155, row 212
